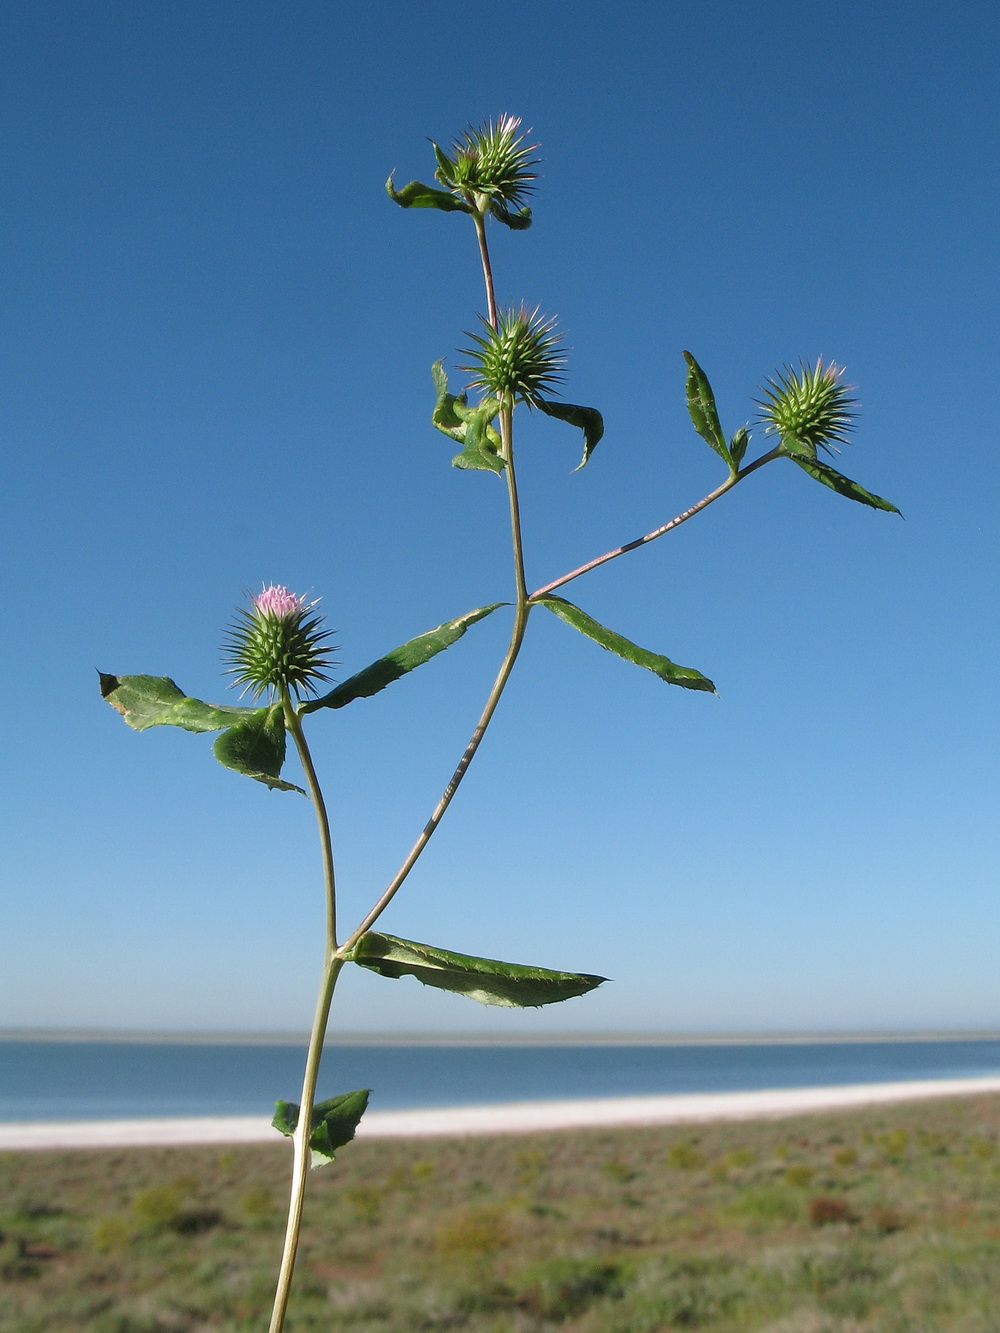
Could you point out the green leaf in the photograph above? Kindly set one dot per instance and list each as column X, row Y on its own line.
column 484, row 979
column 417, row 195
column 481, row 450
column 405, row 658
column 843, row 485
column 449, row 415
column 333, row 1122
column 588, row 419
column 686, row 677
column 704, row 413
column 738, row 445
column 519, row 221
column 156, row 701
column 256, row 748
column 445, row 166
column 470, row 426
column 799, row 450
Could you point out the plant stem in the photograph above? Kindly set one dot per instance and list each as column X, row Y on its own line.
column 300, row 1142
column 522, row 607
column 332, row 965
column 294, row 724
column 484, row 255
column 703, row 503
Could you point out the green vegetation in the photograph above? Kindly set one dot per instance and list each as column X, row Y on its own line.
column 874, row 1221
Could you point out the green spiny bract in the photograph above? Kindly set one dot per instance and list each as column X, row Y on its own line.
column 809, row 408
column 278, row 646
column 520, row 358
column 490, row 166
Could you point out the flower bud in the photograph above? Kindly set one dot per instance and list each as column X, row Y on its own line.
column 491, row 163
column 277, row 645
column 809, row 408
column 520, row 358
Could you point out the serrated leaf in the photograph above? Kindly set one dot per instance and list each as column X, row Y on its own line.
column 704, row 413
column 255, row 747
column 486, row 980
column 686, row 677
column 588, row 419
column 156, row 701
column 418, row 195
column 519, row 221
column 334, row 1122
column 408, row 656
column 843, row 485
column 738, row 445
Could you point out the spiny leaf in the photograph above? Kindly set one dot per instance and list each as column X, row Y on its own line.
column 686, row 677
column 843, row 485
column 256, row 748
column 417, row 195
column 413, row 653
column 334, row 1122
column 588, row 419
column 484, row 979
column 704, row 413
column 156, row 701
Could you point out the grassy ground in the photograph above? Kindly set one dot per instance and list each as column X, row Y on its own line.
column 883, row 1220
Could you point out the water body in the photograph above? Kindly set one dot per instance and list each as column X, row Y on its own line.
column 93, row 1080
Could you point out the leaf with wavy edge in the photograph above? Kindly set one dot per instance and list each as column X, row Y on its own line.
column 405, row 658
column 686, row 677
column 588, row 419
column 843, row 485
column 334, row 1122
column 487, row 980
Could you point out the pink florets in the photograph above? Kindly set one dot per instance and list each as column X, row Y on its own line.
column 276, row 600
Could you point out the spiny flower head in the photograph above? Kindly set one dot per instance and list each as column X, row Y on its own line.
column 492, row 163
column 277, row 645
column 520, row 358
column 810, row 407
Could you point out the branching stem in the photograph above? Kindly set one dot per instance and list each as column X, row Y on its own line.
column 703, row 503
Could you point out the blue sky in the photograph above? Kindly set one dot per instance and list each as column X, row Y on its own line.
column 215, row 358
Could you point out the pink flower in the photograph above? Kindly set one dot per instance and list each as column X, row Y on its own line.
column 276, row 600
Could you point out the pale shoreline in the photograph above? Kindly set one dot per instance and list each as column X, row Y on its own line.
column 505, row 1118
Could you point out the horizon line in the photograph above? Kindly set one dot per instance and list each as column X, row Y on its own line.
column 430, row 1037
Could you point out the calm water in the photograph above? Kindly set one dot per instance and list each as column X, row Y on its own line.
column 110, row 1080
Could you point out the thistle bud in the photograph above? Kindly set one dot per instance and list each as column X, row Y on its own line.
column 520, row 358
column 277, row 645
column 809, row 408
column 491, row 164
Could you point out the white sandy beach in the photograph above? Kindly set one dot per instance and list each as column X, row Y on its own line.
column 507, row 1118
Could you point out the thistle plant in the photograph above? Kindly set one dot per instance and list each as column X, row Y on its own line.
column 278, row 650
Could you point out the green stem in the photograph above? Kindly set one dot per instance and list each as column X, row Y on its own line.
column 522, row 608
column 332, row 965
column 294, row 724
column 300, row 1142
column 484, row 255
column 703, row 503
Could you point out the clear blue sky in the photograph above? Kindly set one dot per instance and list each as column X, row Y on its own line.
column 216, row 345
